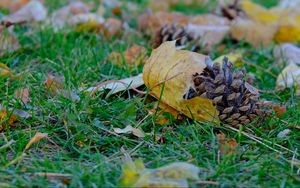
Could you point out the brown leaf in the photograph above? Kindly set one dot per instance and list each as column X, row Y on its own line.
column 210, row 19
column 168, row 73
column 37, row 137
column 280, row 110
column 53, row 177
column 53, row 84
column 6, row 118
column 227, row 146
column 151, row 22
column 22, row 94
column 112, row 27
column 9, row 42
column 135, row 55
column 13, row 5
column 33, row 11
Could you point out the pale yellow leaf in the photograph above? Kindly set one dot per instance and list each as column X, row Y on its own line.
column 129, row 129
column 37, row 137
column 168, row 73
column 289, row 78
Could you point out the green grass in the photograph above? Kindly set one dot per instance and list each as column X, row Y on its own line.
column 80, row 139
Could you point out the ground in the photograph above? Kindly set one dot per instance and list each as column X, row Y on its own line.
column 81, row 141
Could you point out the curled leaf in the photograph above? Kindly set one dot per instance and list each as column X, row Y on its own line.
column 168, row 73
column 130, row 129
column 37, row 137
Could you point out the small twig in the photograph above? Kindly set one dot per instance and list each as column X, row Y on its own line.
column 208, row 183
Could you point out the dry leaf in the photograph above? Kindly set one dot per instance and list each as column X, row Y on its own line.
column 116, row 86
column 33, row 11
column 287, row 53
column 13, row 5
column 112, row 27
column 129, row 129
column 288, row 33
column 235, row 57
column 134, row 174
column 53, row 177
column 62, row 16
column 9, row 42
column 280, row 110
column 289, row 77
column 209, row 19
column 23, row 95
column 150, row 23
column 135, row 55
column 255, row 33
column 53, row 84
column 37, row 137
column 5, row 70
column 6, row 118
column 168, row 73
column 227, row 146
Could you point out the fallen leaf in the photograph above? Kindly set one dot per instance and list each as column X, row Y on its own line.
column 112, row 27
column 255, row 33
column 33, row 11
column 116, row 86
column 129, row 129
column 13, row 5
column 37, row 137
column 288, row 78
column 135, row 55
column 23, row 95
column 287, row 53
column 9, row 42
column 7, row 118
column 235, row 57
column 209, row 19
column 5, row 70
column 151, row 22
column 53, row 84
column 168, row 74
column 288, row 33
column 284, row 133
column 280, row 110
column 62, row 16
column 134, row 174
column 227, row 146
column 53, row 177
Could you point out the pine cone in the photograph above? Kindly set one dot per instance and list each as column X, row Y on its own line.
column 180, row 34
column 231, row 11
column 236, row 100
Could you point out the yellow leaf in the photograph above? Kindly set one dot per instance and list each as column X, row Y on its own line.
column 259, row 13
column 135, row 174
column 288, row 33
column 235, row 57
column 168, row 73
column 7, row 118
column 4, row 70
column 37, row 137
column 255, row 33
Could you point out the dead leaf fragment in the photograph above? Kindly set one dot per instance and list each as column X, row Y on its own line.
column 284, row 133
column 135, row 55
column 134, row 174
column 5, row 70
column 289, row 77
column 23, row 95
column 53, row 177
column 209, row 19
column 33, row 11
column 288, row 33
column 53, row 84
column 7, row 118
column 168, row 73
column 227, row 146
column 129, row 129
column 280, row 110
column 37, row 137
column 9, row 42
